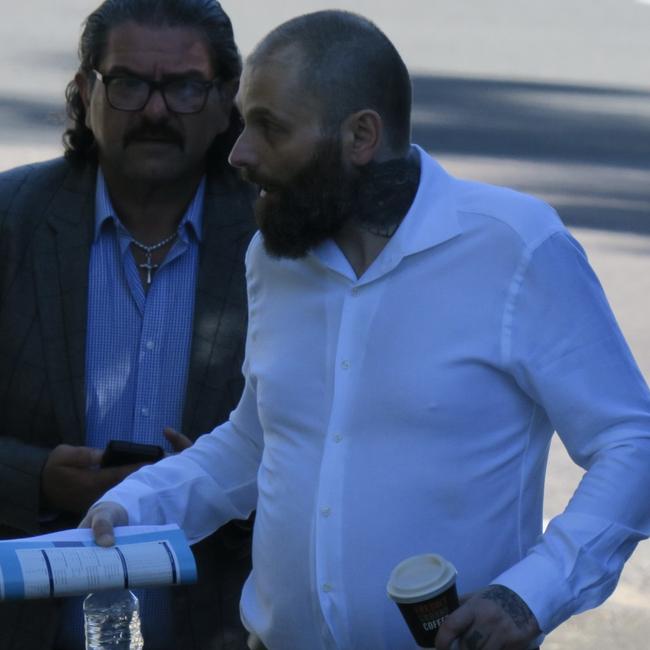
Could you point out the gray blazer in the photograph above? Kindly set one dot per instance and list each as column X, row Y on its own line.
column 46, row 228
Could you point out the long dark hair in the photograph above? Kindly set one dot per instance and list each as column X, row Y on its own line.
column 205, row 15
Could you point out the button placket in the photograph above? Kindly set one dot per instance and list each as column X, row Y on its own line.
column 150, row 361
column 332, row 476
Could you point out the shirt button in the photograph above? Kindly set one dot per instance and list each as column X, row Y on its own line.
column 144, row 411
column 345, row 364
column 338, row 437
column 355, row 291
column 150, row 345
column 326, row 511
column 327, row 587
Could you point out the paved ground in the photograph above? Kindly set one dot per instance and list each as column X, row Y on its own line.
column 551, row 97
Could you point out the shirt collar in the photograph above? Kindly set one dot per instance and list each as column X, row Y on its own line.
column 431, row 220
column 192, row 220
column 433, row 216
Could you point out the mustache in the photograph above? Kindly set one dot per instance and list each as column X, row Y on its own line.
column 251, row 177
column 260, row 181
column 160, row 132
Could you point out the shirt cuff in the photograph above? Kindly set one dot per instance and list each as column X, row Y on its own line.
column 536, row 580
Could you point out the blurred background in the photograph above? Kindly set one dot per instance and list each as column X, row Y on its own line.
column 550, row 97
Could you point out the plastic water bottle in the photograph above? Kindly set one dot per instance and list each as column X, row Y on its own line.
column 112, row 621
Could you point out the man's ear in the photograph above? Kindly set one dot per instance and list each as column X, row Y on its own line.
column 362, row 136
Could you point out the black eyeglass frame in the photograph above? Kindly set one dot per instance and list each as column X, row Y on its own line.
column 153, row 86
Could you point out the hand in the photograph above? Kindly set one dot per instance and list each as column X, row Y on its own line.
column 71, row 480
column 177, row 439
column 495, row 618
column 103, row 518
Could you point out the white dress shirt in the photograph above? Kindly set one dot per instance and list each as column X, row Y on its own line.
column 409, row 411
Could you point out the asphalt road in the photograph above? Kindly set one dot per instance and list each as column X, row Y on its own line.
column 552, row 98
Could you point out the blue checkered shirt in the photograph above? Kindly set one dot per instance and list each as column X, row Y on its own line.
column 137, row 360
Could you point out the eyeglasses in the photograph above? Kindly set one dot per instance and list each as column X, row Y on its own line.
column 129, row 93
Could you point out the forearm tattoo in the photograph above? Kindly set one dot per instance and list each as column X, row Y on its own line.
column 514, row 606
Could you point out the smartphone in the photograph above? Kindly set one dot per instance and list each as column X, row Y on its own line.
column 119, row 452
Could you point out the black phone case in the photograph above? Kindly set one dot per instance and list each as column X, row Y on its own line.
column 119, row 452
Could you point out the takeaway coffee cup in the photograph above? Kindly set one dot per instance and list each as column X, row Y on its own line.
column 424, row 588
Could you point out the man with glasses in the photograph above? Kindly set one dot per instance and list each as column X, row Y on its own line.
column 123, row 303
column 181, row 95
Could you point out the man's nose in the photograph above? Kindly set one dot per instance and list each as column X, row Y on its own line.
column 156, row 107
column 242, row 155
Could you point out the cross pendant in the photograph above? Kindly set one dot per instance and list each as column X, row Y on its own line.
column 149, row 267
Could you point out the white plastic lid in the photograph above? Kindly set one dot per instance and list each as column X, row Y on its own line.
column 420, row 577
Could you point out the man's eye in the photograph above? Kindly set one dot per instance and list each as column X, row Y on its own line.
column 185, row 87
column 272, row 128
column 127, row 83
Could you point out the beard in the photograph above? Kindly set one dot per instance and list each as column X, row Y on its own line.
column 312, row 207
column 324, row 196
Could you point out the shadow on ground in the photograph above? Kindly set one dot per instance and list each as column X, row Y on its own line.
column 548, row 122
column 589, row 147
column 586, row 149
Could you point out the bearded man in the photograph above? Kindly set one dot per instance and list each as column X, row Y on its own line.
column 414, row 340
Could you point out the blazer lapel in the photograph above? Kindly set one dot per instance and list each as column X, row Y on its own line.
column 61, row 263
column 220, row 304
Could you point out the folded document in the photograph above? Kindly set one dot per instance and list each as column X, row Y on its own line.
column 69, row 562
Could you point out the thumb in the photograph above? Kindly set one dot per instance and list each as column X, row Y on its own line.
column 92, row 456
column 178, row 441
column 102, row 518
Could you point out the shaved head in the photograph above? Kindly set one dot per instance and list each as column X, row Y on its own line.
column 347, row 65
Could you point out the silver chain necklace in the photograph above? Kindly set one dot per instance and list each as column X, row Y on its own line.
column 147, row 265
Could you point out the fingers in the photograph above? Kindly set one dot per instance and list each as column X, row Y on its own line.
column 66, row 479
column 454, row 626
column 102, row 519
column 103, row 532
column 71, row 480
column 475, row 639
column 111, row 476
column 178, row 441
column 492, row 619
column 72, row 456
column 88, row 456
